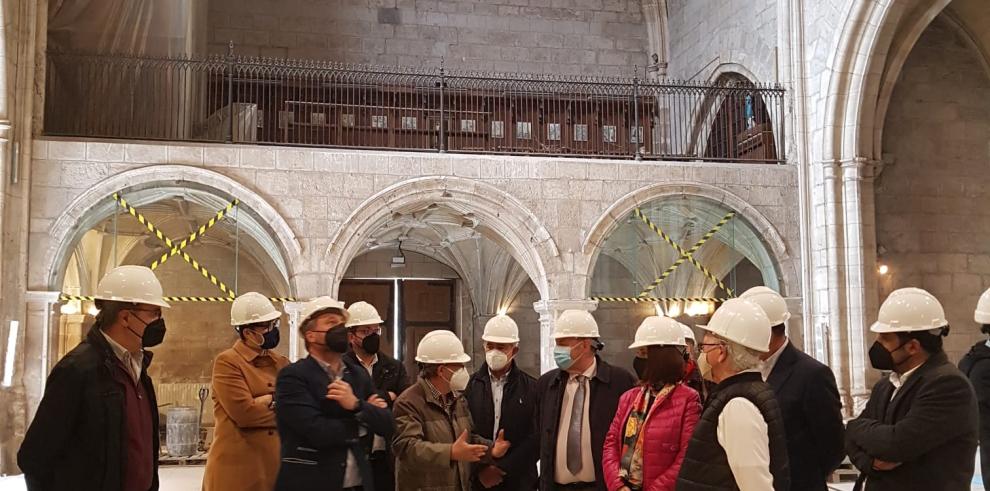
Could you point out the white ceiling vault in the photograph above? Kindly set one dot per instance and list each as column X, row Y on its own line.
column 458, row 239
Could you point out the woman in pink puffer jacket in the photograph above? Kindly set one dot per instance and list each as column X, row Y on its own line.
column 645, row 445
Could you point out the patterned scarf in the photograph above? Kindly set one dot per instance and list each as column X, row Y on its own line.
column 631, row 466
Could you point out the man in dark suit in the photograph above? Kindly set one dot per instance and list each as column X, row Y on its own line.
column 388, row 376
column 976, row 366
column 571, row 444
column 326, row 410
column 919, row 428
column 502, row 397
column 808, row 398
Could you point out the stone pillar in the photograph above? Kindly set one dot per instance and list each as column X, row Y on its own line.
column 859, row 225
column 296, row 347
column 549, row 310
column 830, row 278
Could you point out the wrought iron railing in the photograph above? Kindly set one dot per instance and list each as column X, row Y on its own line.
column 292, row 102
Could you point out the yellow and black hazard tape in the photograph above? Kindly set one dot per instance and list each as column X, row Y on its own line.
column 195, row 235
column 656, row 299
column 161, row 236
column 684, row 257
column 66, row 298
column 663, row 235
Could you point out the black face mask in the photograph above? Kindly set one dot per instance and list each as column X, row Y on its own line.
column 336, row 339
column 881, row 359
column 371, row 344
column 154, row 332
column 639, row 364
column 271, row 339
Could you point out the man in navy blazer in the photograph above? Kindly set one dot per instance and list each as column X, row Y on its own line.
column 808, row 397
column 326, row 410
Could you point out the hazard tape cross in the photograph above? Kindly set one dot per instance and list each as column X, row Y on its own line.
column 195, row 235
column 689, row 253
column 686, row 255
column 177, row 249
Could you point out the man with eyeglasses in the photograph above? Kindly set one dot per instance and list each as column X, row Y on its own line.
column 245, row 450
column 97, row 424
column 388, row 375
column 740, row 443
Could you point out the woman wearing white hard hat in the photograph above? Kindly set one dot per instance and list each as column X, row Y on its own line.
column 245, row 450
column 976, row 366
column 649, row 434
column 919, row 429
column 435, row 444
column 97, row 424
column 326, row 409
column 739, row 442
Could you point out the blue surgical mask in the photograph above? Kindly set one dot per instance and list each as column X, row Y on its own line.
column 562, row 355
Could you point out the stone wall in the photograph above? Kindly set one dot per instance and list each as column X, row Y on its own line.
column 581, row 37
column 933, row 224
column 747, row 36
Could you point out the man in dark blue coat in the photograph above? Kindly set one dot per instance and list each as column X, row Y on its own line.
column 326, row 410
column 808, row 398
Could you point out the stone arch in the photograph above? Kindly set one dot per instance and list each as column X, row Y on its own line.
column 520, row 231
column 868, row 57
column 93, row 205
column 620, row 210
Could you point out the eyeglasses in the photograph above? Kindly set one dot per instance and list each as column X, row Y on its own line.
column 367, row 331
column 703, row 345
column 158, row 313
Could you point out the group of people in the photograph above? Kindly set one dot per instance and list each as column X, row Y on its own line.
column 744, row 409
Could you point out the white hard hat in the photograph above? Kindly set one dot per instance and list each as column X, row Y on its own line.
column 320, row 304
column 575, row 324
column 742, row 322
column 131, row 284
column 656, row 331
column 982, row 315
column 363, row 314
column 501, row 329
column 252, row 308
column 910, row 310
column 688, row 332
column 770, row 301
column 441, row 346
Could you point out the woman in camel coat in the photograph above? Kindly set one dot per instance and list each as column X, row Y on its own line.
column 245, row 451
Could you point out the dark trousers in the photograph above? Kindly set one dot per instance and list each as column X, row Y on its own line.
column 383, row 466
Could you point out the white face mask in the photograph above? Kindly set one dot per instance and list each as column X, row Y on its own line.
column 459, row 380
column 496, row 359
column 704, row 367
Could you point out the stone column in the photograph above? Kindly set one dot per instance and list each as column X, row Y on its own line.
column 296, row 347
column 830, row 278
column 549, row 310
column 859, row 225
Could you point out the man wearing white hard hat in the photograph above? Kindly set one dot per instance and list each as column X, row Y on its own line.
column 976, row 366
column 808, row 397
column 577, row 401
column 97, row 424
column 651, row 429
column 502, row 397
column 739, row 443
column 245, row 450
column 919, row 427
column 388, row 376
column 435, row 444
column 326, row 409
